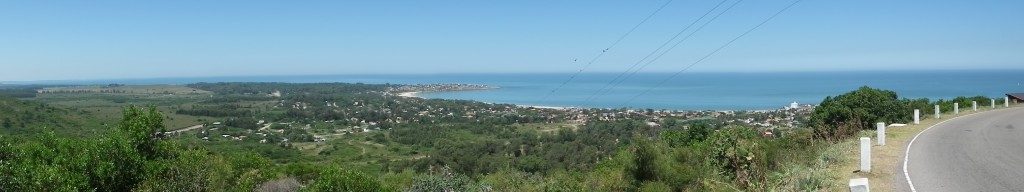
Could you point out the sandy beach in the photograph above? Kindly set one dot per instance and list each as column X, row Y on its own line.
column 546, row 107
column 409, row 94
column 416, row 95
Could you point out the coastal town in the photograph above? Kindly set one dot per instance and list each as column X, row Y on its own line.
column 319, row 121
column 411, row 90
column 375, row 127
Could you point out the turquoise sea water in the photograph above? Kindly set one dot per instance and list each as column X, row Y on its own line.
column 688, row 91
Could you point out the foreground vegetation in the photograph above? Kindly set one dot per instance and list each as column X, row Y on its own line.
column 360, row 137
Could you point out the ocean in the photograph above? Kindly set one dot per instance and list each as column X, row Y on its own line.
column 688, row 91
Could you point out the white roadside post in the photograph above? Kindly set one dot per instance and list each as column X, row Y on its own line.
column 865, row 154
column 993, row 103
column 937, row 114
column 859, row 185
column 880, row 130
column 917, row 116
column 974, row 105
column 956, row 108
column 1006, row 101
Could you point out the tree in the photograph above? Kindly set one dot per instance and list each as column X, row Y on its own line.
column 643, row 168
column 126, row 155
column 118, row 165
column 7, row 123
column 143, row 128
column 695, row 133
column 841, row 116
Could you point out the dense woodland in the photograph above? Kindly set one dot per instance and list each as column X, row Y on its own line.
column 360, row 137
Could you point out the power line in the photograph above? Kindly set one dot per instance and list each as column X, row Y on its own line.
column 603, row 51
column 713, row 52
column 619, row 78
column 649, row 62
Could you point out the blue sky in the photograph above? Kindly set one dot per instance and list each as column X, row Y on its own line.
column 51, row 40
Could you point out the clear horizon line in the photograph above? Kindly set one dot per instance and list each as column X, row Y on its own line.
column 29, row 82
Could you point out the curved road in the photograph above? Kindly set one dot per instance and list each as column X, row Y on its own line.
column 979, row 152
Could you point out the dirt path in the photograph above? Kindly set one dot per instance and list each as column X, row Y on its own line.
column 185, row 129
column 363, row 149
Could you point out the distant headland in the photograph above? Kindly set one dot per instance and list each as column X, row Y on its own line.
column 412, row 90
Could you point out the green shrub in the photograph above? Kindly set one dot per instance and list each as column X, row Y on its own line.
column 643, row 168
column 445, row 180
column 654, row 186
column 142, row 128
column 512, row 180
column 252, row 179
column 190, row 170
column 694, row 133
column 44, row 163
column 607, row 179
column 739, row 153
column 338, row 179
column 841, row 116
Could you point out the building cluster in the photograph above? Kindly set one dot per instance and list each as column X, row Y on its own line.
column 788, row 117
column 342, row 116
column 438, row 88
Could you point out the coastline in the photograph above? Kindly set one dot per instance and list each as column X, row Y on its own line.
column 415, row 94
column 545, row 107
column 410, row 94
column 416, row 90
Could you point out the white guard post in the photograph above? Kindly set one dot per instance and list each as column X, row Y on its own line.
column 917, row 116
column 865, row 154
column 859, row 185
column 956, row 108
column 880, row 130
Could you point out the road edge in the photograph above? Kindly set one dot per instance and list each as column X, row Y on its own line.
column 906, row 153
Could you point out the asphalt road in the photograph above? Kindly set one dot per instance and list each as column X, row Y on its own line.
column 980, row 152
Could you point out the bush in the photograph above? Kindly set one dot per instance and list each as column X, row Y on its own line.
column 191, row 170
column 45, row 163
column 143, row 129
column 338, row 179
column 254, row 180
column 654, row 187
column 285, row 184
column 511, row 180
column 841, row 116
column 445, row 180
column 643, row 168
column 694, row 133
column 739, row 153
column 965, row 103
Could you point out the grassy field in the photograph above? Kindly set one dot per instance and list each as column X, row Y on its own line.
column 131, row 89
column 104, row 104
column 357, row 151
column 106, row 107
